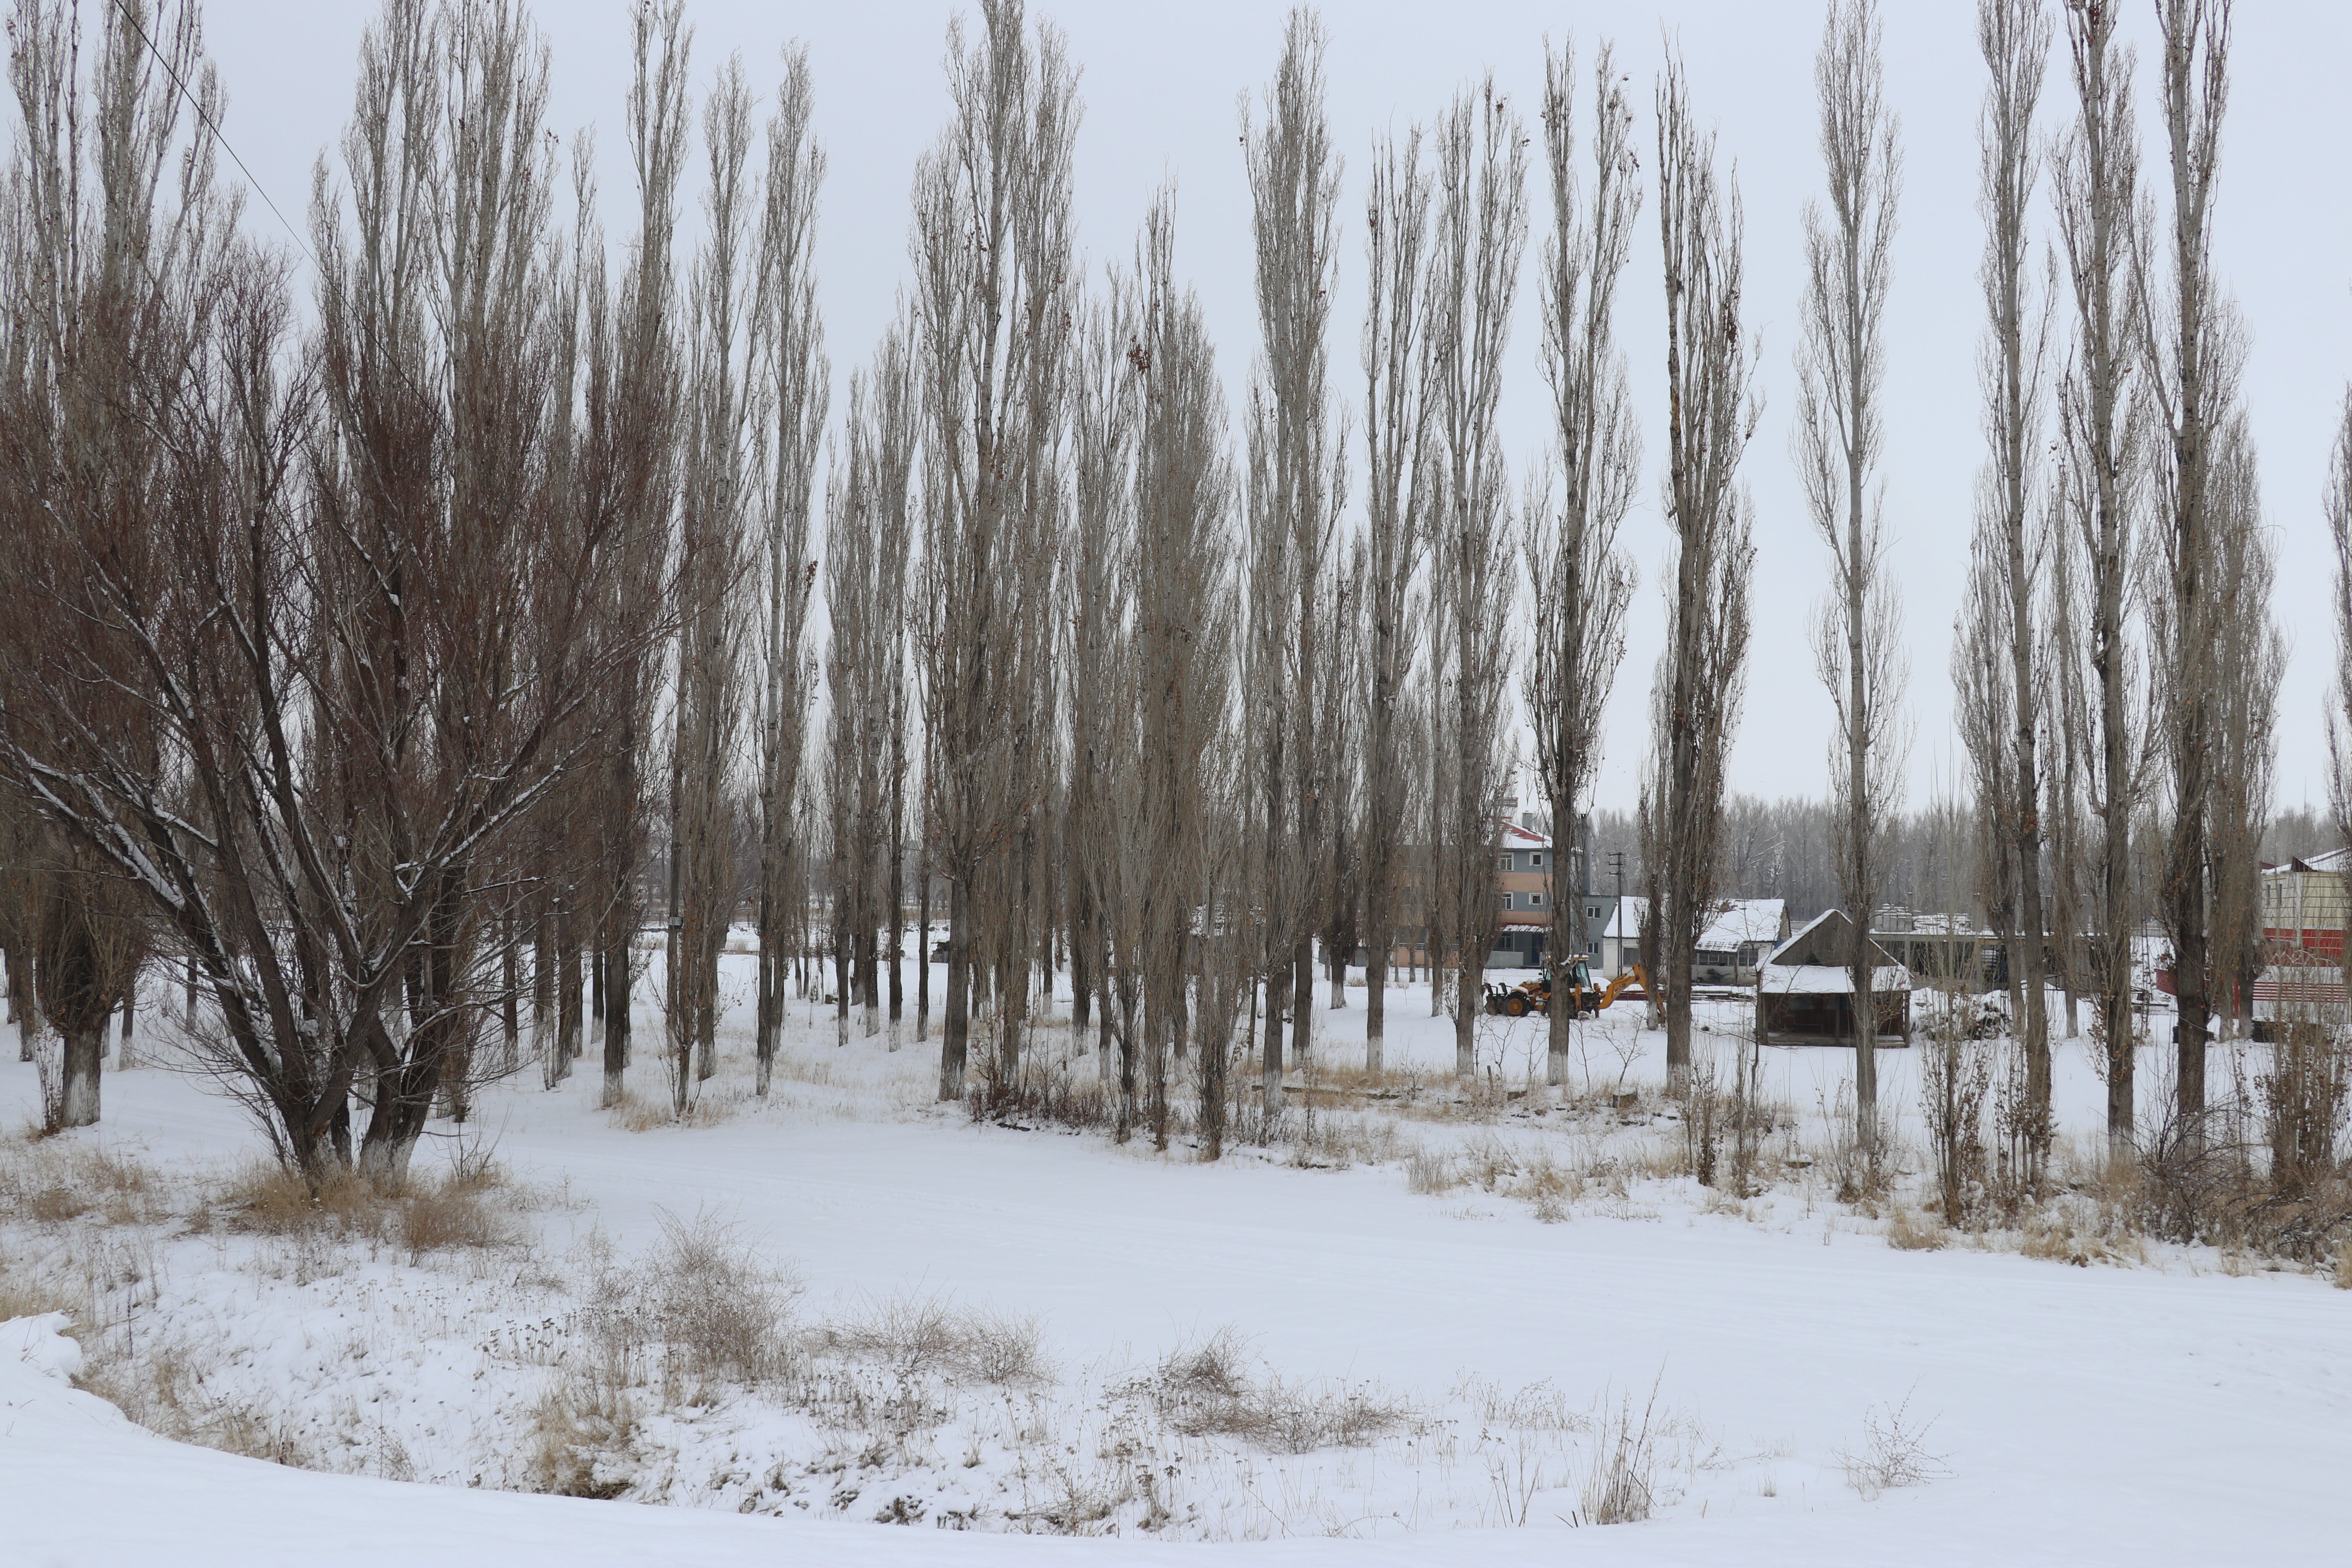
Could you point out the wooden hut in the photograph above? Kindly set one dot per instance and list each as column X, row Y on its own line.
column 1804, row 990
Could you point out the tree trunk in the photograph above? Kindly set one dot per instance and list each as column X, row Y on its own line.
column 85, row 1051
column 955, row 1033
column 1270, row 1047
column 613, row 986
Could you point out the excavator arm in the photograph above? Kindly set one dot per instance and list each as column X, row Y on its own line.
column 1635, row 976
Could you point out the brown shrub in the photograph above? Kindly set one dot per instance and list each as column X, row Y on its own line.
column 1907, row 1233
column 466, row 1207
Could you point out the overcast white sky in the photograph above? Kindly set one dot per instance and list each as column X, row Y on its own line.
column 1160, row 84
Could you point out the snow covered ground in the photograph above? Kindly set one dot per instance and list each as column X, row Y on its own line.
column 1391, row 1375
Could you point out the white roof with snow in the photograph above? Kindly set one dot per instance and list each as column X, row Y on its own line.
column 1743, row 920
column 1780, row 977
column 2334, row 860
column 1826, row 979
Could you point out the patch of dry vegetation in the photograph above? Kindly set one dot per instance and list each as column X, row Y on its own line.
column 931, row 1337
column 1209, row 1390
column 473, row 1205
column 640, row 1114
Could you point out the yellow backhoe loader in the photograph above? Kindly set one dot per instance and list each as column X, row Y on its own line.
column 1535, row 996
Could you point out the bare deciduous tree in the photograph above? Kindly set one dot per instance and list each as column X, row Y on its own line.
column 1584, row 582
column 994, row 312
column 1295, row 495
column 1840, row 434
column 2104, row 491
column 2195, row 350
column 788, row 339
column 1479, row 232
column 2249, row 662
column 714, row 571
column 1695, row 698
column 1997, row 642
column 1178, row 583
column 1396, row 443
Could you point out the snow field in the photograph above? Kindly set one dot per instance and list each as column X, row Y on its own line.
column 981, row 1331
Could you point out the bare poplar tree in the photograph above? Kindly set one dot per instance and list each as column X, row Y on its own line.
column 631, row 475
column 1584, row 581
column 1695, row 698
column 1841, row 435
column 1103, row 410
column 1183, row 612
column 788, row 351
column 2338, row 506
column 1396, row 443
column 994, row 311
column 2103, row 487
column 1480, row 230
column 1294, row 493
column 714, row 572
column 2249, row 658
column 2196, row 350
column 1341, row 742
column 866, row 525
column 1999, row 638
column 105, row 272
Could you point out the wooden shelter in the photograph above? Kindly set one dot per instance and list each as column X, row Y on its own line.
column 1804, row 989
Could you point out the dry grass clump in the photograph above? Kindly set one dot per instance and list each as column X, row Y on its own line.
column 1906, row 1232
column 1431, row 1173
column 700, row 1311
column 1208, row 1391
column 1621, row 1480
column 701, row 1306
column 163, row 1389
column 1033, row 1092
column 637, row 1113
column 30, row 1286
column 1337, row 1139
column 935, row 1338
column 469, row 1207
column 53, row 1181
column 1548, row 1185
column 584, row 1436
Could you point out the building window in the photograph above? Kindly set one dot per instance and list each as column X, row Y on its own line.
column 1507, row 900
column 1503, row 861
column 1535, row 901
column 1535, row 862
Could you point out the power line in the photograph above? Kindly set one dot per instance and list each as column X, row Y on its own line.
column 219, row 135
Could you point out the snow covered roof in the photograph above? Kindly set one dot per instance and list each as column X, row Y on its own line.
column 1827, row 979
column 1517, row 837
column 1743, row 920
column 1625, row 916
column 2333, row 861
column 1796, row 967
column 1945, row 925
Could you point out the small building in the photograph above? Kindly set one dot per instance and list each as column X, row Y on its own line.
column 1943, row 950
column 1734, row 944
column 2304, row 903
column 1525, row 863
column 1616, row 925
column 1804, row 988
column 2298, row 985
column 1522, row 890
